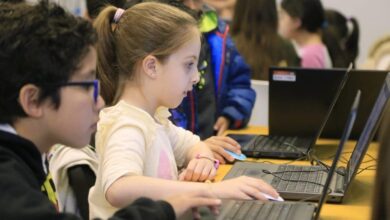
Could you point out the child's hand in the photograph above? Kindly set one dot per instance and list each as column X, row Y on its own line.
column 243, row 188
column 218, row 144
column 199, row 170
column 182, row 202
column 221, row 125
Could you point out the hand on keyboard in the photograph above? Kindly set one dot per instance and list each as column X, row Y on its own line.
column 243, row 188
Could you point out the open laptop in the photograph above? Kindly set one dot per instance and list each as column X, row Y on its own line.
column 367, row 134
column 241, row 209
column 299, row 96
column 369, row 82
column 344, row 176
column 292, row 181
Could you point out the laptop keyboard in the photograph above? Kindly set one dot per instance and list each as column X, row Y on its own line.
column 296, row 179
column 274, row 143
column 292, row 181
column 258, row 210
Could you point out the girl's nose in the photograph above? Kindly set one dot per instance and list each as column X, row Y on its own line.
column 196, row 77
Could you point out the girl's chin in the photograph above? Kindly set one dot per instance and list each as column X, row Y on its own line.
column 176, row 105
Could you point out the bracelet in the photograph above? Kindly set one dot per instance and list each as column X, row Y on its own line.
column 215, row 161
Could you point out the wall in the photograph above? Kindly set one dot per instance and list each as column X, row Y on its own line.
column 373, row 17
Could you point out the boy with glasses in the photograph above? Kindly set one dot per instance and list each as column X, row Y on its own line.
column 49, row 95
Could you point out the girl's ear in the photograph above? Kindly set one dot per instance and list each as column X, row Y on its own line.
column 296, row 22
column 29, row 100
column 149, row 65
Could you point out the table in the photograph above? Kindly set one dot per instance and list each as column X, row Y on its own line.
column 357, row 202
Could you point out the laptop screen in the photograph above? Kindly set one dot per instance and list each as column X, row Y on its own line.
column 368, row 131
column 369, row 82
column 300, row 99
column 343, row 140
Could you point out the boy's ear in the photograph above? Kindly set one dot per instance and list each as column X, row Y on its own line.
column 29, row 100
column 149, row 65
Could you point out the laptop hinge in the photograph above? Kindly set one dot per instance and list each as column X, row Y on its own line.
column 340, row 180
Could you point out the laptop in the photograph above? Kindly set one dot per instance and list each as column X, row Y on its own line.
column 368, row 133
column 298, row 96
column 369, row 82
column 344, row 176
column 243, row 209
column 293, row 181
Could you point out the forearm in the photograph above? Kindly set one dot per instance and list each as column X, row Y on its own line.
column 129, row 188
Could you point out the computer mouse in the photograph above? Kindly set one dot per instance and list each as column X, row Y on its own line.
column 236, row 156
column 270, row 198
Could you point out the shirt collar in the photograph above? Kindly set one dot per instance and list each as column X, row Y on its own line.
column 7, row 128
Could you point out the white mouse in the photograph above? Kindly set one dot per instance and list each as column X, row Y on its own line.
column 270, row 198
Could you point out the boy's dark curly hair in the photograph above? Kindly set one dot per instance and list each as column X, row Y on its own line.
column 12, row 1
column 40, row 44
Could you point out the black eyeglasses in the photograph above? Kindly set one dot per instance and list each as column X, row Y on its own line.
column 95, row 83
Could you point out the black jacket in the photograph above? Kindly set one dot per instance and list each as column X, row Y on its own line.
column 21, row 178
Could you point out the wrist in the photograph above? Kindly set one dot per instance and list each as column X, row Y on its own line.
column 211, row 188
column 228, row 118
column 215, row 189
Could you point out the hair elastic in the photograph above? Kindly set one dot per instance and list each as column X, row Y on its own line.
column 118, row 15
column 215, row 161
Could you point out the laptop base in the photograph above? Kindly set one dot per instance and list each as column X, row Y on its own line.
column 283, row 147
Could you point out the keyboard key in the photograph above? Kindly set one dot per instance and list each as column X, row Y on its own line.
column 310, row 187
column 265, row 211
column 255, row 210
column 274, row 215
column 243, row 211
column 301, row 187
column 285, row 210
column 232, row 213
column 275, row 182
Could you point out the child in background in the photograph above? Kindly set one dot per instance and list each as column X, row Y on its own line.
column 49, row 95
column 255, row 32
column 224, row 8
column 147, row 61
column 346, row 31
column 223, row 99
column 304, row 22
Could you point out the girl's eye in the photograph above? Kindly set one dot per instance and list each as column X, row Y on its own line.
column 190, row 65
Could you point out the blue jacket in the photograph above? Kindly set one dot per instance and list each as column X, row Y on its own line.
column 232, row 87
